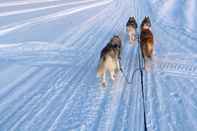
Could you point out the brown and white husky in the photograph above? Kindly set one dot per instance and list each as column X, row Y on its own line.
column 131, row 29
column 146, row 41
column 109, row 60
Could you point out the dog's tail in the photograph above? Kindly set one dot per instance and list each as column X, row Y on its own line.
column 101, row 66
column 149, row 48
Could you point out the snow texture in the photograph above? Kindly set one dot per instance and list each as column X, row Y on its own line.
column 49, row 52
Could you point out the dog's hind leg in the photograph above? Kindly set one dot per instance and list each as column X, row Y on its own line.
column 103, row 80
column 117, row 66
column 111, row 68
column 101, row 72
column 147, row 64
column 112, row 74
column 102, row 76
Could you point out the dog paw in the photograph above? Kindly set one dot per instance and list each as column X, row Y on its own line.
column 104, row 84
column 147, row 67
column 113, row 78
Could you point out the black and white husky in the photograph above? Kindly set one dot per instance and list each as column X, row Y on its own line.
column 109, row 60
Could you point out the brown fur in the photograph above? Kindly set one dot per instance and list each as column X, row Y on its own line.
column 109, row 59
column 146, row 41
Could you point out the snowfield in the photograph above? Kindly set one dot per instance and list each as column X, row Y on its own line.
column 49, row 52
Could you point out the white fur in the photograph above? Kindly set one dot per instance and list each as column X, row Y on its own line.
column 111, row 65
column 132, row 34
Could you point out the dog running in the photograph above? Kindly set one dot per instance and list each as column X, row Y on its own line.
column 146, row 41
column 109, row 60
column 131, row 29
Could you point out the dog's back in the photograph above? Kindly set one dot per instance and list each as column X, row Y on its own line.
column 108, row 53
column 146, row 40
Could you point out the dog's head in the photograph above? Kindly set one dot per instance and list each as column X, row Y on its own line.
column 146, row 23
column 116, row 41
column 132, row 22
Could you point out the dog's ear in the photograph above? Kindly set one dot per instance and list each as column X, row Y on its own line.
column 148, row 17
column 144, row 19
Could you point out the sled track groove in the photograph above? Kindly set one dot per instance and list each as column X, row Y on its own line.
column 188, row 69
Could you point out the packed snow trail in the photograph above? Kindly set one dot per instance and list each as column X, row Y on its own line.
column 49, row 52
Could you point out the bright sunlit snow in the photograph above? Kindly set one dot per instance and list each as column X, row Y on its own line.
column 49, row 53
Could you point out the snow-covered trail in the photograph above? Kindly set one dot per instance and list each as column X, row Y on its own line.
column 49, row 51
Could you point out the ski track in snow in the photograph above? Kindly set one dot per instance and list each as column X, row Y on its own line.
column 50, row 84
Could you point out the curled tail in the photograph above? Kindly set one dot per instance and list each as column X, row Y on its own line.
column 100, row 69
column 149, row 49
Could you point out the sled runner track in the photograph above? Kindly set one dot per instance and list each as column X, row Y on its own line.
column 35, row 12
column 72, row 35
column 167, row 37
column 56, row 89
column 124, row 115
column 84, row 27
column 19, row 109
column 64, row 110
column 183, row 69
column 18, row 3
column 162, row 108
column 125, row 110
column 127, row 113
column 92, row 40
column 64, row 94
column 52, row 89
column 175, row 37
column 18, row 92
column 17, row 12
column 73, row 41
column 111, row 108
column 178, row 102
column 104, row 118
column 90, row 35
column 110, row 35
column 152, row 100
column 51, row 17
column 16, row 84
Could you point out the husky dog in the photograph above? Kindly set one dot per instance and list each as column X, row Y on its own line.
column 146, row 41
column 131, row 29
column 109, row 60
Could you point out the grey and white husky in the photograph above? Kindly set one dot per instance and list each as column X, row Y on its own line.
column 131, row 29
column 109, row 60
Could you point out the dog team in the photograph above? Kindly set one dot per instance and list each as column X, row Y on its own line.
column 110, row 54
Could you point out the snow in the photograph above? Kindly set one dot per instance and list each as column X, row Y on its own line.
column 49, row 52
